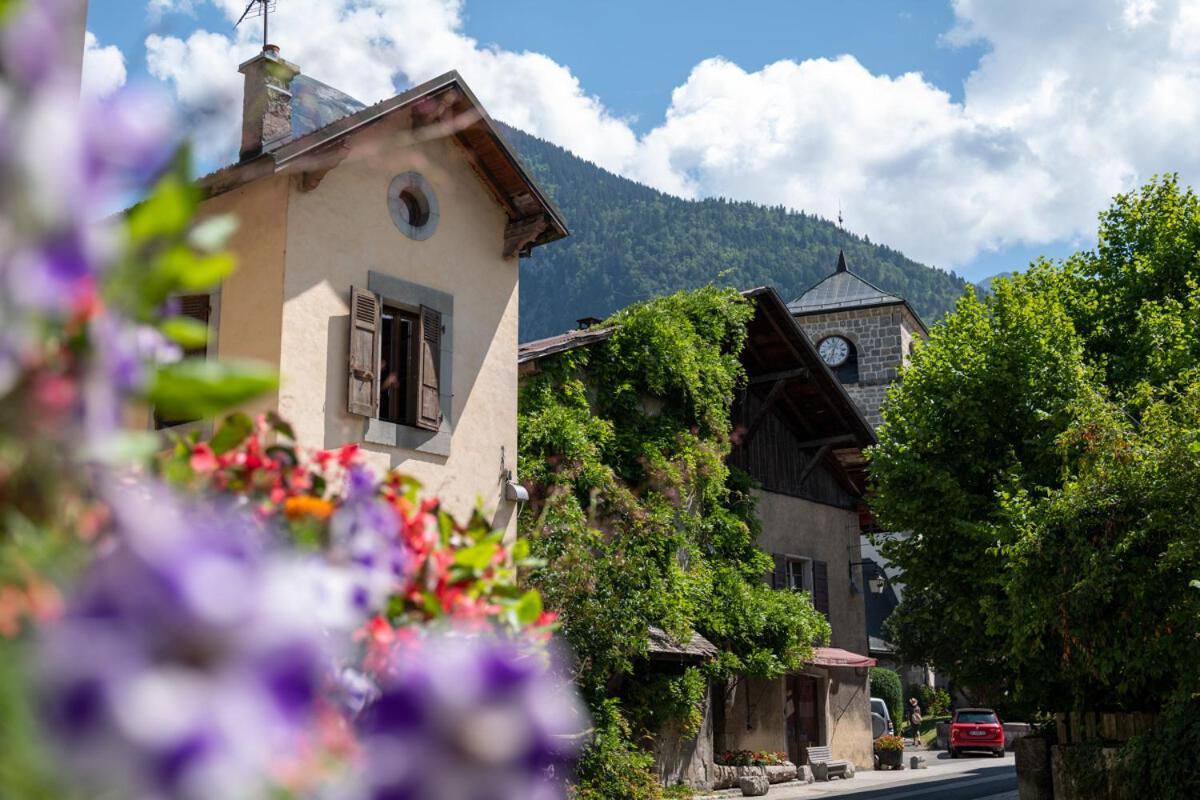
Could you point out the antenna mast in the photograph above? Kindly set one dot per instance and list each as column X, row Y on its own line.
column 260, row 8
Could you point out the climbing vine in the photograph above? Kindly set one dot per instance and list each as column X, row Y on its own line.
column 638, row 519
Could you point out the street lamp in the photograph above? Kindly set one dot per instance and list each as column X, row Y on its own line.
column 878, row 580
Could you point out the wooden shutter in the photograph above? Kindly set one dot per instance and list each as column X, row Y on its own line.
column 821, row 587
column 779, row 574
column 365, row 343
column 429, row 364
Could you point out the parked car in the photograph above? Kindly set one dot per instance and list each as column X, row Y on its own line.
column 976, row 729
column 879, row 709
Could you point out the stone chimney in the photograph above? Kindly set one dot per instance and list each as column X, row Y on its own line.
column 266, row 102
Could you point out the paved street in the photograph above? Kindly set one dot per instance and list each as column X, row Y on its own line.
column 968, row 778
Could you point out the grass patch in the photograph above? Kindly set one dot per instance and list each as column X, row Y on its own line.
column 679, row 792
column 929, row 729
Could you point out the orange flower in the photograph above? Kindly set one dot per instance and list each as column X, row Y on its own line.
column 306, row 506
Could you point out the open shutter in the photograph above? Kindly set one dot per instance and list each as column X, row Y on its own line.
column 778, row 577
column 821, row 587
column 365, row 344
column 429, row 406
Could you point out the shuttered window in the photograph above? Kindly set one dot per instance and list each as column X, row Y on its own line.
column 395, row 361
column 820, row 593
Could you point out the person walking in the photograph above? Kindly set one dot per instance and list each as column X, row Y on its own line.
column 914, row 720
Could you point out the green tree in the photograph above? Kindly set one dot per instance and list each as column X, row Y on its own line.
column 1042, row 450
column 885, row 684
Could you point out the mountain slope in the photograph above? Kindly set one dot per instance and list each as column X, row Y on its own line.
column 630, row 242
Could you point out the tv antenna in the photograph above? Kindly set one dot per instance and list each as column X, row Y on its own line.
column 840, row 214
column 259, row 8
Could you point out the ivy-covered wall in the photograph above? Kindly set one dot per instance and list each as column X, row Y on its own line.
column 640, row 521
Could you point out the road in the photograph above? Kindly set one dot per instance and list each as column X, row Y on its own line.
column 982, row 778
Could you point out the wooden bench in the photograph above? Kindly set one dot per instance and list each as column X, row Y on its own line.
column 825, row 767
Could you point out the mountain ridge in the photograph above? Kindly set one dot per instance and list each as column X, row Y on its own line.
column 631, row 242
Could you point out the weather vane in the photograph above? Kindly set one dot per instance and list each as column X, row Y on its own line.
column 259, row 8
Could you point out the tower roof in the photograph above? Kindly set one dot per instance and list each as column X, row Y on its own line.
column 842, row 290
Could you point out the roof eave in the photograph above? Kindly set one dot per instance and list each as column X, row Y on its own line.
column 280, row 158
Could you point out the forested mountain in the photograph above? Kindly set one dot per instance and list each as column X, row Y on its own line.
column 630, row 243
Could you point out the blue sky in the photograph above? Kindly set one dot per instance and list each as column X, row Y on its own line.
column 973, row 135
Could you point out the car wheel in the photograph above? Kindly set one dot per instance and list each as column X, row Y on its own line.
column 1000, row 753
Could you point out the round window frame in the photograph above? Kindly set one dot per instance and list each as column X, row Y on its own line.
column 419, row 190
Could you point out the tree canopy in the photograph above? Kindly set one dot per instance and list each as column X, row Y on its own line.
column 1042, row 451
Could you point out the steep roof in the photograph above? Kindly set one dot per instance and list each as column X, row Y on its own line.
column 324, row 119
column 842, row 290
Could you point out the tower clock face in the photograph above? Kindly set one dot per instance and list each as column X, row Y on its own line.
column 834, row 351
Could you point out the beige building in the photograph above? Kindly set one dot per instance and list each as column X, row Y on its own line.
column 378, row 258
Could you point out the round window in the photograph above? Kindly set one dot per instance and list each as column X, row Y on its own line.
column 413, row 205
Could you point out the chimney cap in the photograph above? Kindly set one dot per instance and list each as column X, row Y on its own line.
column 273, row 49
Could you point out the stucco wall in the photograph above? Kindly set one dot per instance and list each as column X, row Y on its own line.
column 754, row 715
column 797, row 527
column 342, row 230
column 249, row 309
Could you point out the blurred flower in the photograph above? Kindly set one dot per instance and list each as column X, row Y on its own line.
column 364, row 534
column 186, row 664
column 469, row 718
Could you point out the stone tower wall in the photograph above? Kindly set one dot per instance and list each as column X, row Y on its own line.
column 883, row 336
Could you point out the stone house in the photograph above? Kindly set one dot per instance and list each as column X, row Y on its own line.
column 801, row 438
column 378, row 257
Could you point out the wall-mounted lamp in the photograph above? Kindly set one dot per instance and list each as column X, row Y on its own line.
column 878, row 580
column 515, row 492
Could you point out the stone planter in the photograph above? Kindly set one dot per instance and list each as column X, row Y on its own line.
column 781, row 773
column 890, row 759
column 753, row 785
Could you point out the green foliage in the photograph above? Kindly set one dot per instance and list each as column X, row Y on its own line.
column 1162, row 764
column 611, row 765
column 630, row 242
column 1055, row 427
column 637, row 517
column 885, row 684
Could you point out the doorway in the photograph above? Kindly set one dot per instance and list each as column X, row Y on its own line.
column 802, row 710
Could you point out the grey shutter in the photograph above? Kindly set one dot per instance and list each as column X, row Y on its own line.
column 429, row 361
column 821, row 587
column 365, row 351
column 779, row 575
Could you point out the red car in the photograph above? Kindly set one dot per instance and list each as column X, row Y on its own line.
column 976, row 729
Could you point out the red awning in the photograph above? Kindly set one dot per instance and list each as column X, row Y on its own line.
column 837, row 657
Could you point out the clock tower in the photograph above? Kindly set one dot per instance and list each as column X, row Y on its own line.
column 863, row 333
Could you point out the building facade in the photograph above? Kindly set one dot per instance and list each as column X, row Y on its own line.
column 800, row 437
column 378, row 271
column 866, row 335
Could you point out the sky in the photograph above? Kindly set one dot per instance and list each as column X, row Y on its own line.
column 972, row 135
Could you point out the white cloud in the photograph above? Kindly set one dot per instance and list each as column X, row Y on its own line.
column 103, row 67
column 1068, row 106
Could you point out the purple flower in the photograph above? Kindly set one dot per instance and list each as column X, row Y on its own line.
column 470, row 718
column 187, row 663
column 365, row 538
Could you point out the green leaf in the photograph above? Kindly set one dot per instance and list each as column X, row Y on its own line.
column 213, row 234
column 477, row 557
column 166, row 212
column 529, row 607
column 188, row 333
column 520, row 549
column 232, row 433
column 197, row 388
